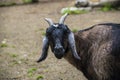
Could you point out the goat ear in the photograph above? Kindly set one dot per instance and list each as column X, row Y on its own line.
column 71, row 42
column 44, row 49
column 50, row 22
column 62, row 19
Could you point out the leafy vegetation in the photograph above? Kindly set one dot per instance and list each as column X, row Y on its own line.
column 108, row 7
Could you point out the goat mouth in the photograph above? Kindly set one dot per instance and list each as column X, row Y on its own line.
column 59, row 56
column 59, row 53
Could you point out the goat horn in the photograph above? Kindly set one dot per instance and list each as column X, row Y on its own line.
column 44, row 49
column 62, row 19
column 50, row 22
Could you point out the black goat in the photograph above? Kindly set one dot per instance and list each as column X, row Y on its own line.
column 94, row 51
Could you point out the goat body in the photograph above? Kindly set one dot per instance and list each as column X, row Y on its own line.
column 95, row 51
column 99, row 49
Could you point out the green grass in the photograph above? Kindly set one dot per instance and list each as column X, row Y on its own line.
column 7, row 4
column 3, row 45
column 14, row 55
column 74, row 30
column 16, row 62
column 107, row 7
column 27, row 1
column 73, row 11
column 40, row 77
column 31, row 71
column 43, row 33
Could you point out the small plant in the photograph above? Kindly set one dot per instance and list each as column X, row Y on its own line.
column 40, row 77
column 43, row 33
column 74, row 30
column 14, row 55
column 4, row 43
column 31, row 71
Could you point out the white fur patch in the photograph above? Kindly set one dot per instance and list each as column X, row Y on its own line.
column 55, row 25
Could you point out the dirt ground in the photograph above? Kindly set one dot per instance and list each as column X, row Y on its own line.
column 22, row 29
